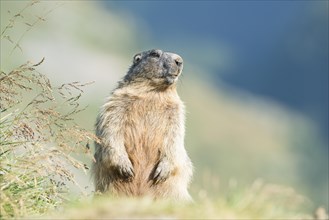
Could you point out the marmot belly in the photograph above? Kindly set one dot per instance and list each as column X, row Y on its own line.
column 143, row 142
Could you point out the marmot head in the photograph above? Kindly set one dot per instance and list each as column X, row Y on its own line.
column 158, row 67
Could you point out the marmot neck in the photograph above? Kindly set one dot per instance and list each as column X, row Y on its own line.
column 143, row 85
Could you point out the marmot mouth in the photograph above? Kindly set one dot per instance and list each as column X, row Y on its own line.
column 173, row 74
column 172, row 78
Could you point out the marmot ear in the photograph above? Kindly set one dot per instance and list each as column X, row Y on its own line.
column 137, row 58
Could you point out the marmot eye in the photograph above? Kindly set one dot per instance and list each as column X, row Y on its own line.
column 137, row 58
column 155, row 54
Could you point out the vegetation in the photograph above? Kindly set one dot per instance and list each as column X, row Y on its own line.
column 39, row 138
column 259, row 201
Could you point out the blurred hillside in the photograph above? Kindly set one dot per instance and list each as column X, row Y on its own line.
column 233, row 137
column 276, row 49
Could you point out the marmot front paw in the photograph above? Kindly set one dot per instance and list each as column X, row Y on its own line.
column 124, row 168
column 162, row 172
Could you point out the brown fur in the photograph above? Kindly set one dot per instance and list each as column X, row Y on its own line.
column 141, row 128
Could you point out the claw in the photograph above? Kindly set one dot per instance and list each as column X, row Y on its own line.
column 161, row 173
column 125, row 171
column 156, row 173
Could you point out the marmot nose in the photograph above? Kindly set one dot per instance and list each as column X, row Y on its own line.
column 178, row 60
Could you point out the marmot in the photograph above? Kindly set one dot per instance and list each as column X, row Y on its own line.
column 141, row 131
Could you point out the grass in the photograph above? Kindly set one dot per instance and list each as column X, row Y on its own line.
column 259, row 201
column 38, row 136
column 38, row 140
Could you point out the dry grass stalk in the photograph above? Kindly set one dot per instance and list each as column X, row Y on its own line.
column 39, row 136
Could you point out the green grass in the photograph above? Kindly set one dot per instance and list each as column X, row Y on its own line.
column 260, row 201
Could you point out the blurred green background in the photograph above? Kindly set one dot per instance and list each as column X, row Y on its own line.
column 255, row 79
